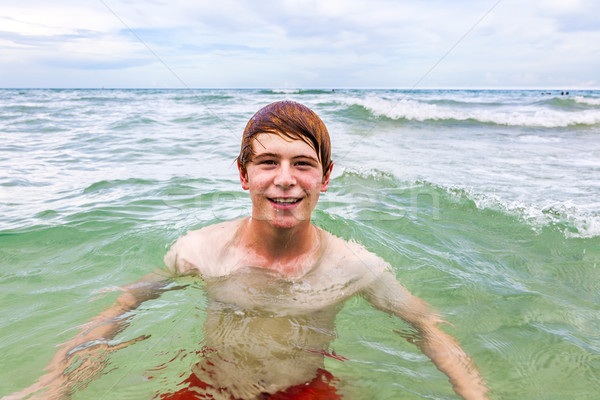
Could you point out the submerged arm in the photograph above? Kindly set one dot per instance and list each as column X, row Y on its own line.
column 388, row 295
column 92, row 340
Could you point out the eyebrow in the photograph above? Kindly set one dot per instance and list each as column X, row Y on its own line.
column 274, row 155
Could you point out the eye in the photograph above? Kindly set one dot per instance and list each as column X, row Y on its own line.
column 305, row 164
column 267, row 162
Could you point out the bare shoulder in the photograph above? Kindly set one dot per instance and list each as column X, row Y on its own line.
column 374, row 277
column 198, row 251
column 353, row 259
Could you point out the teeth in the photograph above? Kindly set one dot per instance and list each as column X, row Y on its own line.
column 285, row 201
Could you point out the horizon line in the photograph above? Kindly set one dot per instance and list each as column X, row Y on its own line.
column 327, row 89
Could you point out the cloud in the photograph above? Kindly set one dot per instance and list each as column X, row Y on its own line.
column 351, row 43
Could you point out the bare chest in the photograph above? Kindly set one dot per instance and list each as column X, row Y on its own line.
column 263, row 290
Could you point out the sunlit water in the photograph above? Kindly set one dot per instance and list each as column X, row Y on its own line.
column 485, row 202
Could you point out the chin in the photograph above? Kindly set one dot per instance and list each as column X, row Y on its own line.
column 286, row 222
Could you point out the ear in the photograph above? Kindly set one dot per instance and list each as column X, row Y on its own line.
column 243, row 176
column 325, row 182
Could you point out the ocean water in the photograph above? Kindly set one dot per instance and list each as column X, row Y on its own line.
column 487, row 204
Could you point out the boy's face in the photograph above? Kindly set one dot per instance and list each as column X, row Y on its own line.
column 285, row 179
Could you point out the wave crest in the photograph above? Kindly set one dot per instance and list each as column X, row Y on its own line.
column 383, row 193
column 527, row 115
column 592, row 101
column 566, row 217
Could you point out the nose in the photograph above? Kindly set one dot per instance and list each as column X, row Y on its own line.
column 284, row 176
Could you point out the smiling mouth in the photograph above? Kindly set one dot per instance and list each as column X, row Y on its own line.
column 284, row 201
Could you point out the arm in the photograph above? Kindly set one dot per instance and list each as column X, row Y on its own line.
column 388, row 295
column 91, row 343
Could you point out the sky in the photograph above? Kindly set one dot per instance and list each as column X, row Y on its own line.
column 300, row 44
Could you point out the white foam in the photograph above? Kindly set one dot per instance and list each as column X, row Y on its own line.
column 285, row 91
column 538, row 139
column 578, row 222
column 593, row 101
column 526, row 115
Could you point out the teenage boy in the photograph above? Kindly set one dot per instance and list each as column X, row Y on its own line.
column 280, row 280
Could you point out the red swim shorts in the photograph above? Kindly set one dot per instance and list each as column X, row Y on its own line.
column 320, row 388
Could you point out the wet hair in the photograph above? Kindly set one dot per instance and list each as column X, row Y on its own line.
column 290, row 120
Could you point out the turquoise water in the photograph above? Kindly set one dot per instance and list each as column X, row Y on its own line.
column 485, row 202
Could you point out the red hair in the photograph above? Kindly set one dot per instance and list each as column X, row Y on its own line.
column 291, row 120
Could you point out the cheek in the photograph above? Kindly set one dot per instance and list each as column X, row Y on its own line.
column 258, row 186
column 312, row 186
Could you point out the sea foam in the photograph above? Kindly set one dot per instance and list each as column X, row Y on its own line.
column 593, row 101
column 527, row 115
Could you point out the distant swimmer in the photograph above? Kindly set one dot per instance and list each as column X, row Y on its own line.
column 274, row 284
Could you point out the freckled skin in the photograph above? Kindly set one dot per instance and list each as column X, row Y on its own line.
column 288, row 169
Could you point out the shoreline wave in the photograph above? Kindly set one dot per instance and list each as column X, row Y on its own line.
column 567, row 218
column 480, row 113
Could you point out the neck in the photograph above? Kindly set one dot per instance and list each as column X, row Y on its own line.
column 283, row 249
